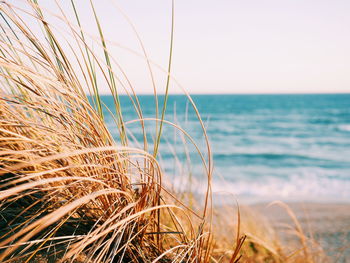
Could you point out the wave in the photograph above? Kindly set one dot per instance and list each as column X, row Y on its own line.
column 278, row 160
column 302, row 187
column 273, row 156
column 344, row 127
column 325, row 121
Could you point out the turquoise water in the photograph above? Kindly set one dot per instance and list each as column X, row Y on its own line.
column 265, row 147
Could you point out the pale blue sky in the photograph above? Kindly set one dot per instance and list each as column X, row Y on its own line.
column 234, row 46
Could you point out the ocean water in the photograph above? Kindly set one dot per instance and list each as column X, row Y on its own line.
column 265, row 147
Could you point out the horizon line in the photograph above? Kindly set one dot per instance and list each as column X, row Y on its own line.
column 232, row 93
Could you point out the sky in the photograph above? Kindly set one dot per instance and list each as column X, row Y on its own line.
column 230, row 46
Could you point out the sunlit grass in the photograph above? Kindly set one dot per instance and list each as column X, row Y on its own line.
column 67, row 188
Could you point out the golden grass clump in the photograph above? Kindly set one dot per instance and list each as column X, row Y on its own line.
column 68, row 191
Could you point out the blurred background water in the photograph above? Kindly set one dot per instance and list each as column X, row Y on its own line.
column 265, row 147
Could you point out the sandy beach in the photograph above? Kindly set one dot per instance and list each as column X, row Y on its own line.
column 328, row 223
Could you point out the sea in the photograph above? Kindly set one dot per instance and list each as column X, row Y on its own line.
column 264, row 147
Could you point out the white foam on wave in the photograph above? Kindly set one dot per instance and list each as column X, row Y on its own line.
column 307, row 186
column 302, row 187
column 344, row 127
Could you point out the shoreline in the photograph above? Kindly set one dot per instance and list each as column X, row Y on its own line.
column 314, row 214
column 326, row 223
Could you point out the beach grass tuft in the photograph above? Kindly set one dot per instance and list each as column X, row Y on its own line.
column 68, row 189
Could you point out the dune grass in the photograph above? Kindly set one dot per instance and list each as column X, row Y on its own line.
column 68, row 190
